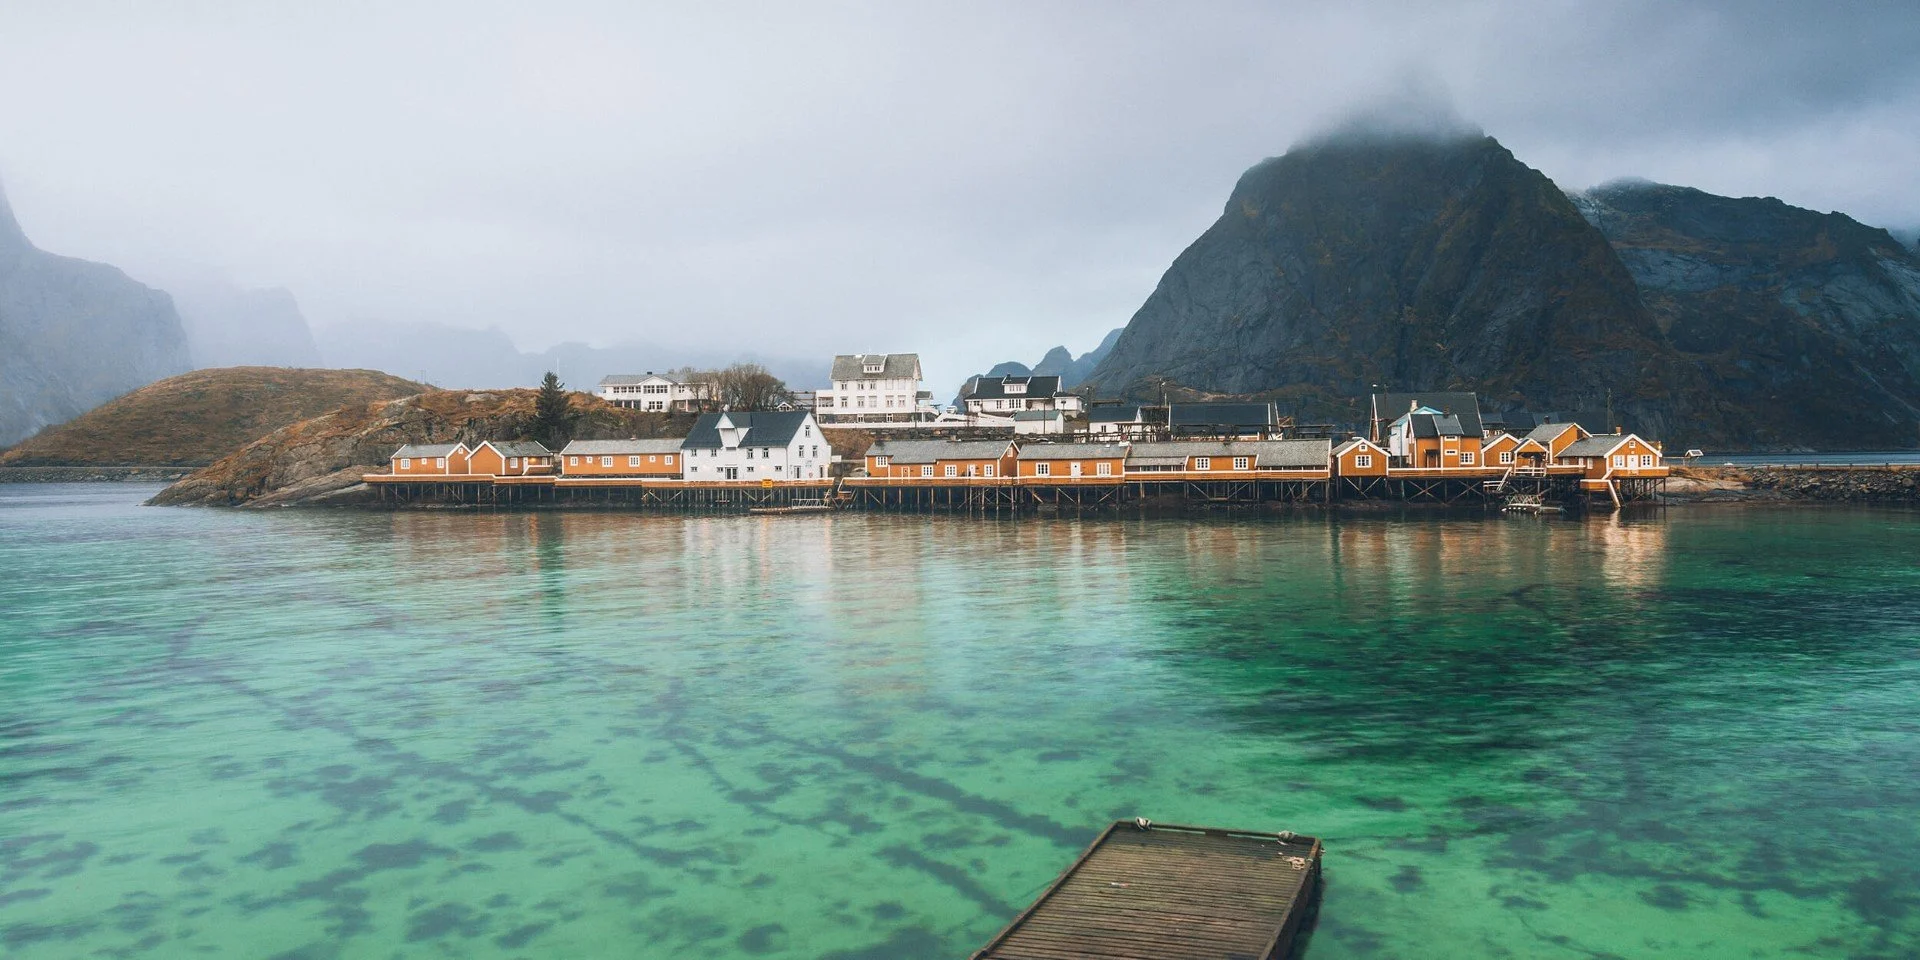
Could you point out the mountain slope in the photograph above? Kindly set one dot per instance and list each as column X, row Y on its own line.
column 74, row 334
column 199, row 417
column 1811, row 318
column 1414, row 263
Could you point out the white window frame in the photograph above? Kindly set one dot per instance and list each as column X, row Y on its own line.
column 1103, row 469
column 633, row 460
column 987, row 471
column 1506, row 457
column 440, row 463
column 1241, row 463
column 1646, row 461
column 1203, row 463
column 1363, row 461
column 1043, row 469
column 1619, row 461
column 573, row 461
column 879, row 461
column 406, row 463
column 926, row 470
column 952, row 470
column 1467, row 459
column 606, row 462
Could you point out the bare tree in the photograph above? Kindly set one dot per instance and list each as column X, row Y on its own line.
column 748, row 386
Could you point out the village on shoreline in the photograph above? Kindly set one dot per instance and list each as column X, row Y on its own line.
column 1022, row 441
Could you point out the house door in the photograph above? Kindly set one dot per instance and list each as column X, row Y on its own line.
column 1433, row 458
column 1075, row 469
column 733, row 473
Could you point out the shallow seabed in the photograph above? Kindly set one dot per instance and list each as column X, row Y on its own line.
column 1692, row 733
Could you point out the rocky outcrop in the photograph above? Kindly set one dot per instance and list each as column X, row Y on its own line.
column 196, row 418
column 74, row 334
column 1850, row 485
column 1810, row 320
column 1411, row 262
column 321, row 461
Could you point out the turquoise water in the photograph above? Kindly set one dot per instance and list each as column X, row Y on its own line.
column 315, row 734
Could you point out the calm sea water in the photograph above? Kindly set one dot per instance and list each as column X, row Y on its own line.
column 314, row 734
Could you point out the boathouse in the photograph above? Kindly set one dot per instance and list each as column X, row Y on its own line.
column 1390, row 408
column 1360, row 457
column 1222, row 421
column 430, row 460
column 658, row 458
column 941, row 459
column 1426, row 439
column 510, row 458
column 1073, row 461
column 1118, row 421
column 1556, row 437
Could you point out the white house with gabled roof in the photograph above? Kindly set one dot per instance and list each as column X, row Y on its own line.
column 754, row 446
column 875, row 388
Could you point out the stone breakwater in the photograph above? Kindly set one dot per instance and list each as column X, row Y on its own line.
column 1831, row 484
column 92, row 474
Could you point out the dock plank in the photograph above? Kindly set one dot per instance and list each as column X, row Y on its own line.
column 1162, row 892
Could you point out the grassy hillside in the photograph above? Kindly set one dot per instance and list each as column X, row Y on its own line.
column 196, row 418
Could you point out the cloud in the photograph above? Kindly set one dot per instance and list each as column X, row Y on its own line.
column 974, row 182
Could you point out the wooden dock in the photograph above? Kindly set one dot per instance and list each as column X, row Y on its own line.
column 1147, row 891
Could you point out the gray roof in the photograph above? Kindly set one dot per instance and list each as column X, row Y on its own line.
column 1073, row 451
column 928, row 451
column 1270, row 454
column 604, row 447
column 1598, row 445
column 1466, row 406
column 852, row 366
column 764, row 428
column 521, row 448
column 1039, row 415
column 1114, row 413
column 1292, row 454
column 1220, row 415
column 417, row 451
column 1547, row 431
column 1440, row 425
column 995, row 388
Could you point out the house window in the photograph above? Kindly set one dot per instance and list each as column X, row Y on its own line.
column 1646, row 459
column 1506, row 456
column 406, row 463
column 1043, row 469
column 606, row 461
column 764, row 454
column 987, row 471
column 1466, row 458
column 573, row 461
column 1103, row 469
column 1619, row 461
column 1239, row 463
column 879, row 461
column 1203, row 463
column 952, row 471
column 634, row 461
column 440, row 462
column 1363, row 461
column 927, row 471
column 513, row 462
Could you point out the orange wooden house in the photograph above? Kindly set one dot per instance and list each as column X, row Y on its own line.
column 1504, row 451
column 510, row 458
column 1614, row 456
column 1072, row 461
column 1226, row 459
column 1556, row 437
column 1360, row 457
column 941, row 459
column 430, row 460
column 656, row 459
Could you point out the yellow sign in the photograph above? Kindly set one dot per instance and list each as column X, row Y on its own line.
column 766, row 483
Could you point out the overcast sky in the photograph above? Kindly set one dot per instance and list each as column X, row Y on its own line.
column 975, row 181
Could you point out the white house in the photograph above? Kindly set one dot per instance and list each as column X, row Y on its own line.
column 875, row 388
column 1006, row 396
column 756, row 446
column 651, row 391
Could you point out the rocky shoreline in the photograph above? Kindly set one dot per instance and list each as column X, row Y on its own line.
column 1886, row 484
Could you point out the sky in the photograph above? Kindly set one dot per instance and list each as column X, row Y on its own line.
column 975, row 182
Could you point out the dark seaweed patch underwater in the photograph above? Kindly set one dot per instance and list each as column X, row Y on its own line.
column 328, row 735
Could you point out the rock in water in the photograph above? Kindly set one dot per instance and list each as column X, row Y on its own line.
column 1810, row 320
column 74, row 334
column 1414, row 263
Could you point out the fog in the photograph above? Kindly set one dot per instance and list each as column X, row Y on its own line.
column 976, row 183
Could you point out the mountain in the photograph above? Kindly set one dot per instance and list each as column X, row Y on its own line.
column 231, row 326
column 1058, row 361
column 196, row 418
column 1812, row 320
column 1410, row 262
column 74, row 334
column 488, row 359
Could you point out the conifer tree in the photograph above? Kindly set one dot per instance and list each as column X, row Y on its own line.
column 552, row 413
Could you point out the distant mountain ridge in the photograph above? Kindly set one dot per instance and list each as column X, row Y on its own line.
column 1361, row 263
column 74, row 334
column 1059, row 362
